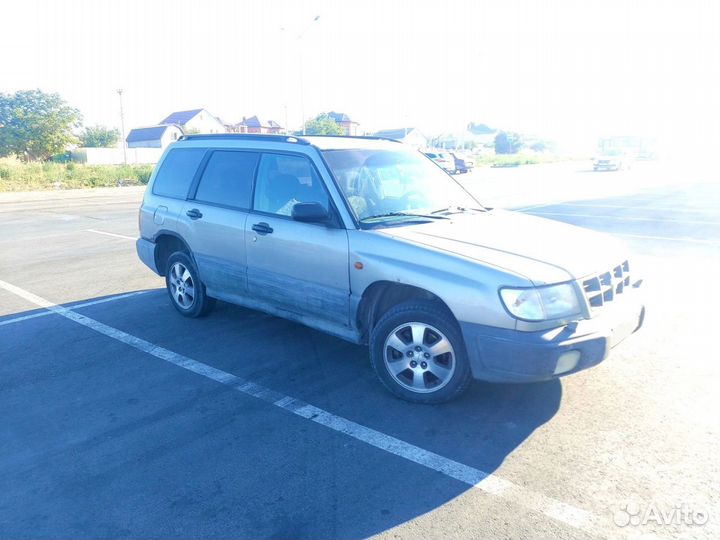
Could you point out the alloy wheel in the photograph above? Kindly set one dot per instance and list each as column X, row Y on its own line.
column 182, row 286
column 419, row 357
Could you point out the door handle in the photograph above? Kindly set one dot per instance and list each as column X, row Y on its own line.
column 262, row 228
column 194, row 213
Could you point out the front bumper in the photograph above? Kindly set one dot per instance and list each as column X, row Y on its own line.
column 146, row 253
column 501, row 355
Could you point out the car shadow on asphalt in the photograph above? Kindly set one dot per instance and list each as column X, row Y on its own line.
column 480, row 429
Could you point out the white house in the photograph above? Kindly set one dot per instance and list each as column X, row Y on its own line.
column 410, row 136
column 256, row 124
column 153, row 136
column 196, row 120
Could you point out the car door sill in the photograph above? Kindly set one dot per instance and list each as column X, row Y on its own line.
column 343, row 332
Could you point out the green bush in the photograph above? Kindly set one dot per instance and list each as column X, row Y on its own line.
column 18, row 176
column 144, row 175
column 515, row 160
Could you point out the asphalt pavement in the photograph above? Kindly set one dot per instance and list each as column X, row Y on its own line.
column 120, row 418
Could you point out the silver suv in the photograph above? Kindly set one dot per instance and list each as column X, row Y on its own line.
column 369, row 240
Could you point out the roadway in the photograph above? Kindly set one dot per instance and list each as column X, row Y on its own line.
column 123, row 419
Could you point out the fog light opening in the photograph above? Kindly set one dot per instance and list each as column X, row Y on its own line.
column 567, row 361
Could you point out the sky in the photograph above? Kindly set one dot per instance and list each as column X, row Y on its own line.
column 566, row 70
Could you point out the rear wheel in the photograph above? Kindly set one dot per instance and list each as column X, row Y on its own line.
column 418, row 352
column 186, row 291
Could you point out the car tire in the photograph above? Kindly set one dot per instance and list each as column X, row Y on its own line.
column 418, row 352
column 187, row 293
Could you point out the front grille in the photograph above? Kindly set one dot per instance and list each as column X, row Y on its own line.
column 605, row 287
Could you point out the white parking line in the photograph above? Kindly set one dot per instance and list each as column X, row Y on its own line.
column 488, row 483
column 624, row 218
column 629, row 207
column 82, row 305
column 111, row 234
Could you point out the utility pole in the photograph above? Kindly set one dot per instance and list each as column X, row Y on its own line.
column 122, row 127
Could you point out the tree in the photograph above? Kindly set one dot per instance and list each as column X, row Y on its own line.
column 507, row 143
column 98, row 136
column 479, row 129
column 35, row 125
column 540, row 145
column 323, row 124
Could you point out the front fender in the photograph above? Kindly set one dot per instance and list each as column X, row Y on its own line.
column 469, row 289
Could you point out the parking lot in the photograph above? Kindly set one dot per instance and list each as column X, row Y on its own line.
column 120, row 418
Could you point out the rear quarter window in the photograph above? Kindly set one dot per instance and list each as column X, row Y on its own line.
column 177, row 171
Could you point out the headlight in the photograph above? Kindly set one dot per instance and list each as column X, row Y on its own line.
column 541, row 303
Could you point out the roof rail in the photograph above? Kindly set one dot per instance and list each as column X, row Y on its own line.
column 295, row 139
column 245, row 136
column 369, row 137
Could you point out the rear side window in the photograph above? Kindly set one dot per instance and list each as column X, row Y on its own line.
column 177, row 172
column 228, row 178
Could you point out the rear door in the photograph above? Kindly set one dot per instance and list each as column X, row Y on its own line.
column 165, row 198
column 213, row 220
column 294, row 266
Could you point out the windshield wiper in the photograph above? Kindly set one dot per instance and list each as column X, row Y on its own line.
column 456, row 210
column 403, row 214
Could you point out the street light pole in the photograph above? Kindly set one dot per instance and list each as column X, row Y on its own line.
column 302, row 84
column 302, row 92
column 122, row 126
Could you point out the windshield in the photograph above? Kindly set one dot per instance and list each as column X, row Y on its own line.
column 389, row 185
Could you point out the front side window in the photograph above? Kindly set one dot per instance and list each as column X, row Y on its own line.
column 283, row 181
column 388, row 185
column 177, row 171
column 227, row 179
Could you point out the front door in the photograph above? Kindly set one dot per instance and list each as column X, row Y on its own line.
column 297, row 267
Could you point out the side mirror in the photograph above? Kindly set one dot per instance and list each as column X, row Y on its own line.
column 310, row 212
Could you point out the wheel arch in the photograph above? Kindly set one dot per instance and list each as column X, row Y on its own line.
column 166, row 243
column 381, row 296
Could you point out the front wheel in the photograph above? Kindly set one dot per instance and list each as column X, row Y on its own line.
column 186, row 291
column 417, row 351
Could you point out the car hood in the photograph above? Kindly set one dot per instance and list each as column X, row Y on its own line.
column 541, row 250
